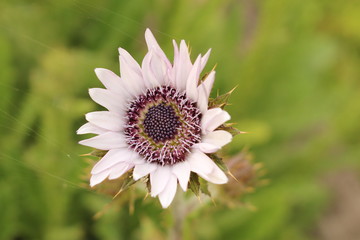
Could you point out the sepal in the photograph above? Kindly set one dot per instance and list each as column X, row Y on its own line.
column 219, row 162
column 220, row 101
column 194, row 184
column 230, row 129
column 98, row 153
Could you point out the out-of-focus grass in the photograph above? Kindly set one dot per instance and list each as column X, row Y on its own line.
column 296, row 64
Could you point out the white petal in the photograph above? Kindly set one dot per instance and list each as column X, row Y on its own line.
column 172, row 70
column 159, row 68
column 218, row 120
column 131, row 74
column 111, row 101
column 106, row 141
column 209, row 115
column 206, row 147
column 153, row 45
column 137, row 159
column 218, row 138
column 155, row 71
column 113, row 157
column 182, row 67
column 142, row 170
column 208, row 83
column 159, row 179
column 119, row 169
column 98, row 178
column 182, row 172
column 199, row 162
column 108, row 120
column 217, row 176
column 110, row 80
column 133, row 64
column 213, row 118
column 193, row 79
column 168, row 194
column 90, row 128
column 149, row 76
column 176, row 51
column 204, row 90
column 204, row 60
column 203, row 100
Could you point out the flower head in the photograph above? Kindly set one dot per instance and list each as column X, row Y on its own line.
column 158, row 122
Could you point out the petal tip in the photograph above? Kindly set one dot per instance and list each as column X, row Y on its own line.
column 93, row 184
column 148, row 31
column 136, row 177
column 165, row 204
column 227, row 116
column 91, row 91
column 79, row 131
column 223, row 179
column 122, row 51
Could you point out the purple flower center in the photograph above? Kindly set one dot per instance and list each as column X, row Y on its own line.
column 163, row 125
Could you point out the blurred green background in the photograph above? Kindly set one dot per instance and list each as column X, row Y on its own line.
column 297, row 67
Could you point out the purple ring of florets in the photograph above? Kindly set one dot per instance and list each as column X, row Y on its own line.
column 162, row 125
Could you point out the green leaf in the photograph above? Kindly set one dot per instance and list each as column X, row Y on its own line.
column 128, row 181
column 220, row 101
column 204, row 187
column 194, row 184
column 229, row 128
column 98, row 153
column 219, row 162
column 148, row 184
column 204, row 77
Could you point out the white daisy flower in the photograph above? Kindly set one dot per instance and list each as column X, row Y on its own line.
column 158, row 122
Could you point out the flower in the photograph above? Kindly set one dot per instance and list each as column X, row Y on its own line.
column 158, row 122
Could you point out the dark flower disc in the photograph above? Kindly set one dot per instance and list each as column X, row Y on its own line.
column 162, row 125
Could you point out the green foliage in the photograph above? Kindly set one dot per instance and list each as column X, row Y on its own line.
column 97, row 153
column 128, row 182
column 220, row 101
column 296, row 65
column 194, row 184
column 219, row 162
